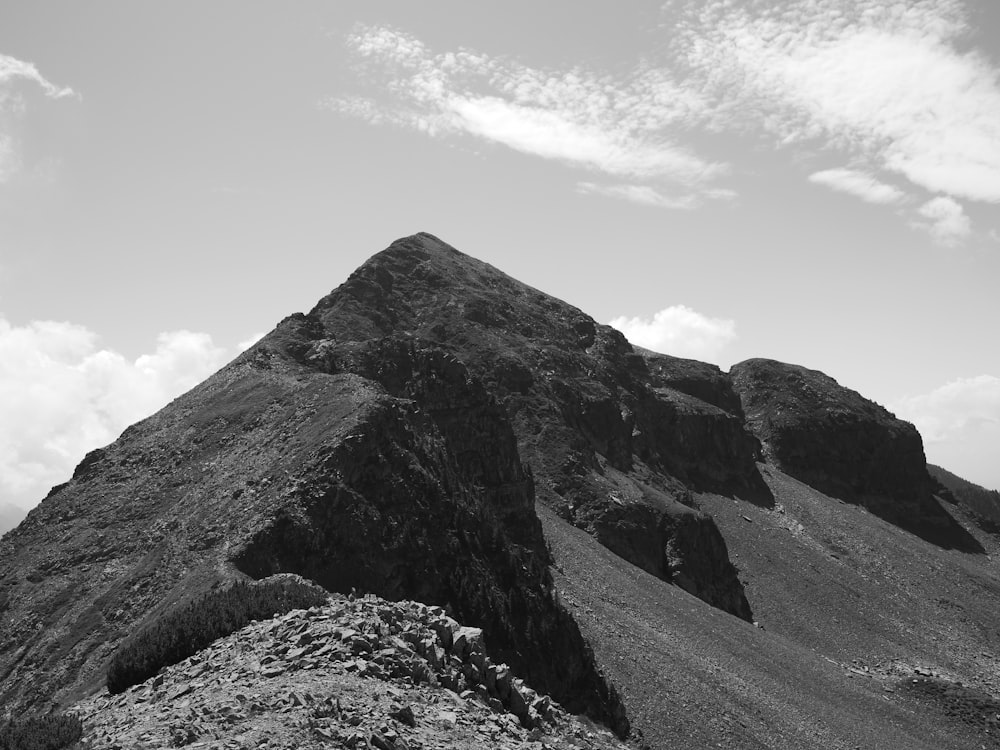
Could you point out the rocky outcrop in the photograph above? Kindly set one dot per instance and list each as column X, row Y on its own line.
column 383, row 468
column 393, row 440
column 353, row 673
column 833, row 439
column 615, row 438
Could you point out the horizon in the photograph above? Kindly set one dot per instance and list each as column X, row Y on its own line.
column 817, row 187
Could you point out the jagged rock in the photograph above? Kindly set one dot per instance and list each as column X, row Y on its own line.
column 844, row 445
column 319, row 698
column 614, row 437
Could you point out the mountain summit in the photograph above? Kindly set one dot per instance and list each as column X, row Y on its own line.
column 614, row 520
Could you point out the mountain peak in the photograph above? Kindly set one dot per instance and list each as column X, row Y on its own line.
column 435, row 430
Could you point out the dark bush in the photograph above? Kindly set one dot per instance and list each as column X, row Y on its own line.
column 50, row 732
column 185, row 630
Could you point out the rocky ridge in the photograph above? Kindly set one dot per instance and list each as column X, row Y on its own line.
column 284, row 467
column 616, row 439
column 355, row 673
column 845, row 446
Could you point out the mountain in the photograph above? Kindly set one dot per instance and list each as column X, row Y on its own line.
column 10, row 516
column 983, row 504
column 752, row 559
column 835, row 440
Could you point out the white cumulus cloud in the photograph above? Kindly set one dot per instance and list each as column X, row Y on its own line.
column 945, row 219
column 62, row 395
column 960, row 425
column 680, row 331
column 955, row 409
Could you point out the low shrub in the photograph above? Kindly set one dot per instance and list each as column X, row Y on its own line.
column 185, row 630
column 51, row 732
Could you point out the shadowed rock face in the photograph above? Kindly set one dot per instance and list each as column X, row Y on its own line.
column 384, row 467
column 615, row 438
column 833, row 439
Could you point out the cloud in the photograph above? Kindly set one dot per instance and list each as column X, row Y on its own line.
column 679, row 331
column 896, row 89
column 859, row 184
column 577, row 117
column 62, row 395
column 960, row 425
column 955, row 408
column 945, row 219
column 893, row 85
column 246, row 343
column 14, row 72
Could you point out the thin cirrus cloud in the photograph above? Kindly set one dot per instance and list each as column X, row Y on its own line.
column 892, row 86
column 616, row 129
column 680, row 331
column 895, row 89
column 62, row 395
column 15, row 73
column 859, row 184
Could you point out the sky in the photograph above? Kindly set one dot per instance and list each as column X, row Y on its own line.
column 813, row 181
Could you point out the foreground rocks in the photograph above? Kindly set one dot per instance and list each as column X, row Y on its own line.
column 364, row 673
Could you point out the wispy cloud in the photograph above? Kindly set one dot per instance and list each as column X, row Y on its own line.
column 895, row 89
column 13, row 70
column 890, row 84
column 859, row 184
column 14, row 74
column 62, row 395
column 616, row 129
column 680, row 331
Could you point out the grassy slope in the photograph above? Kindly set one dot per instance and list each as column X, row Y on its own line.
column 839, row 592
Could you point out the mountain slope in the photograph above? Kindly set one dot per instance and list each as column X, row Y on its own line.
column 270, row 466
column 983, row 504
column 844, row 445
column 434, row 430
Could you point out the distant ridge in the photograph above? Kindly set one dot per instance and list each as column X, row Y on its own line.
column 984, row 504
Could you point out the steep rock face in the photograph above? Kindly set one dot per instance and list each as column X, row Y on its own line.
column 833, row 439
column 614, row 443
column 281, row 465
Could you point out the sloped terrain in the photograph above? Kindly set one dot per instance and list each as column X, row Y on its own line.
column 613, row 443
column 852, row 609
column 614, row 521
column 844, row 445
column 983, row 504
column 352, row 673
column 272, row 466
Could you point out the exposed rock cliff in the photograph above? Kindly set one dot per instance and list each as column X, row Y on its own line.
column 357, row 674
column 278, row 465
column 615, row 438
column 835, row 440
